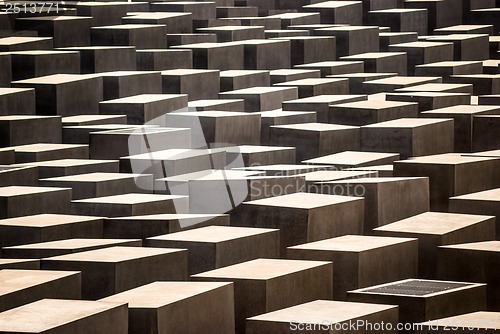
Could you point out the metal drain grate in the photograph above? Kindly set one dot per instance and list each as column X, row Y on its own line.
column 416, row 288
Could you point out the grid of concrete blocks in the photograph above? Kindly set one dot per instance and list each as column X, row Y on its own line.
column 250, row 166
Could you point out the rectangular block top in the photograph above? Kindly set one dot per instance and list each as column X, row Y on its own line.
column 285, row 169
column 230, row 28
column 214, row 102
column 455, row 37
column 22, row 40
column 97, row 48
column 207, row 45
column 330, row 63
column 326, row 175
column 310, row 82
column 303, row 200
column 8, row 91
column 47, row 314
column 55, row 18
column 415, row 93
column 321, row 311
column 465, row 27
column 478, row 76
column 129, row 199
column 66, row 162
column 74, row 244
column 352, row 158
column 18, row 279
column 42, row 52
column 26, row 117
column 56, row 79
column 327, row 99
column 409, row 123
column 434, row 223
column 491, row 154
column 363, row 75
column 158, row 294
column 13, row 261
column 248, row 149
column 417, row 288
column 483, row 246
column 450, row 63
column 185, row 72
column 376, row 180
column 352, row 243
column 82, row 119
column 401, row 10
column 144, row 15
column 115, row 254
column 446, row 159
column 374, row 55
column 421, row 44
column 34, row 148
column 46, row 220
column 213, row 114
column 464, row 110
column 95, row 177
column 174, row 154
column 332, row 4
column 210, row 174
column 129, row 26
column 487, row 195
column 214, row 234
column 258, row 90
column 241, row 73
column 283, row 113
column 262, row 269
column 345, row 28
column 316, row 127
column 293, row 71
column 170, row 216
column 145, row 98
column 433, row 87
column 401, row 80
column 374, row 104
column 13, row 191
column 138, row 130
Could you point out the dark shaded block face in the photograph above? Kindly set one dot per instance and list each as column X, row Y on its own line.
column 316, row 216
column 65, row 94
column 410, row 137
column 102, row 58
column 315, row 139
column 142, row 36
column 356, row 258
column 65, row 30
column 257, row 294
column 213, row 301
column 431, row 237
column 6, row 70
column 109, row 271
column 484, row 137
column 25, row 286
column 197, row 84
